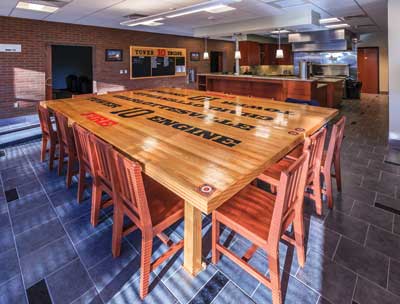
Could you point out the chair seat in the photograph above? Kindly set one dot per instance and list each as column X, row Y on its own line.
column 249, row 212
column 163, row 204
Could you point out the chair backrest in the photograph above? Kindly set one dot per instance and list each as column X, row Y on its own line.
column 335, row 142
column 65, row 133
column 82, row 144
column 317, row 141
column 129, row 187
column 101, row 161
column 290, row 196
column 83, row 95
column 45, row 121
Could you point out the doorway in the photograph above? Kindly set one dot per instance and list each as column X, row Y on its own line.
column 69, row 71
column 368, row 69
column 216, row 64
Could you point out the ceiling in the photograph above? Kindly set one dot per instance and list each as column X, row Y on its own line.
column 370, row 15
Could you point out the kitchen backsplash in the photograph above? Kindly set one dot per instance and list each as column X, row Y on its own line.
column 266, row 70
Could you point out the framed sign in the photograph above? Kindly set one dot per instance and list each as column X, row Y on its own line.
column 194, row 56
column 113, row 55
column 157, row 62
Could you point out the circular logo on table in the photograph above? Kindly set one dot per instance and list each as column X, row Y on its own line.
column 206, row 189
column 293, row 133
column 300, row 129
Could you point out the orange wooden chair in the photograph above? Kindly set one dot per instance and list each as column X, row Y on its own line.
column 272, row 174
column 263, row 219
column 330, row 157
column 101, row 169
column 67, row 147
column 82, row 144
column 48, row 135
column 151, row 207
column 83, row 95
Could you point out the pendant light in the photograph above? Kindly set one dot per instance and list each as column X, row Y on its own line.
column 238, row 56
column 205, row 54
column 279, row 51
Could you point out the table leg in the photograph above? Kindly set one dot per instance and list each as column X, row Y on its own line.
column 192, row 240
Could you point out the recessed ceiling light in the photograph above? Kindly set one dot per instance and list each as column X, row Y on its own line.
column 36, row 7
column 329, row 20
column 280, row 31
column 220, row 9
column 341, row 25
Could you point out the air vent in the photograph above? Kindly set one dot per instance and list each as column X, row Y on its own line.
column 354, row 17
column 135, row 16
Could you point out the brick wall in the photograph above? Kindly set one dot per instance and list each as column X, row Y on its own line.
column 22, row 75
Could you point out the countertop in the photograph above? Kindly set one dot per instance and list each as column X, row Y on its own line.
column 327, row 79
column 292, row 78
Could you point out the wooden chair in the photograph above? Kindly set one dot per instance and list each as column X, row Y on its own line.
column 83, row 95
column 332, row 156
column 329, row 157
column 48, row 135
column 101, row 167
column 272, row 174
column 82, row 145
column 263, row 219
column 67, row 147
column 151, row 207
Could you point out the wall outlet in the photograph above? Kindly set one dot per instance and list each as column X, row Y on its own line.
column 16, row 104
column 125, row 71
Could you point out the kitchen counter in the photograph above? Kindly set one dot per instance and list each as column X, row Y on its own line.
column 291, row 78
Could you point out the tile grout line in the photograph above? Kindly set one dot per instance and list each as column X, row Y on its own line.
column 388, row 275
column 355, row 287
column 72, row 244
column 15, row 245
column 337, row 247
column 216, row 296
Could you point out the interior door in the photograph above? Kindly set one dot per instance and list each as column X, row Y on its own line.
column 48, row 74
column 368, row 69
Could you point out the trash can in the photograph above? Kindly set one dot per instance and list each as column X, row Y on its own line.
column 353, row 89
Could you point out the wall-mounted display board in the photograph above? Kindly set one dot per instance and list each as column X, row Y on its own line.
column 157, row 62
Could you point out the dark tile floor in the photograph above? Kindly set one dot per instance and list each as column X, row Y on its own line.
column 49, row 253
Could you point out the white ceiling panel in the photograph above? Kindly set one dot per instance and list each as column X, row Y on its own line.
column 110, row 13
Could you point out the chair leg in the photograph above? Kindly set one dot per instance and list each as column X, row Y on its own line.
column 273, row 260
column 52, row 155
column 328, row 185
column 338, row 173
column 70, row 169
column 215, row 239
column 145, row 266
column 61, row 160
column 81, row 183
column 298, row 225
column 96, row 204
column 317, row 194
column 118, row 223
column 44, row 147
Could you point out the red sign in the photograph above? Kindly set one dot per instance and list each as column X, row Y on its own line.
column 99, row 119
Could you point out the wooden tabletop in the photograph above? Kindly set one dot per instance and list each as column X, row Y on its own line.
column 203, row 146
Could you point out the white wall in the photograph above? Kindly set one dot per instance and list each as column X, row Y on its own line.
column 379, row 40
column 394, row 69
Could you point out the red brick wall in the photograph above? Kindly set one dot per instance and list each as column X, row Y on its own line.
column 22, row 75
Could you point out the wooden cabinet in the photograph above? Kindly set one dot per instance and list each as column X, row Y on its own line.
column 250, row 53
column 268, row 54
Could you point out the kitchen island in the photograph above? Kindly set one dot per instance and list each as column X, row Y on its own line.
column 278, row 88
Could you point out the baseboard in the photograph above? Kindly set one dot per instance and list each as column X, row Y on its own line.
column 384, row 93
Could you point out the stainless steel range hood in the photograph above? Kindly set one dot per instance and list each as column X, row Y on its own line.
column 333, row 40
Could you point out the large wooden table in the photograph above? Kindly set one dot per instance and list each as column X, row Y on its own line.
column 203, row 146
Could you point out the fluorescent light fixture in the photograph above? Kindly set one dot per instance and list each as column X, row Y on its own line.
column 220, row 9
column 238, row 55
column 279, row 53
column 206, row 56
column 329, row 20
column 341, row 25
column 280, row 32
column 36, row 7
column 151, row 22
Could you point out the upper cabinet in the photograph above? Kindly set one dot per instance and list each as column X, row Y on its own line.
column 268, row 54
column 250, row 53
